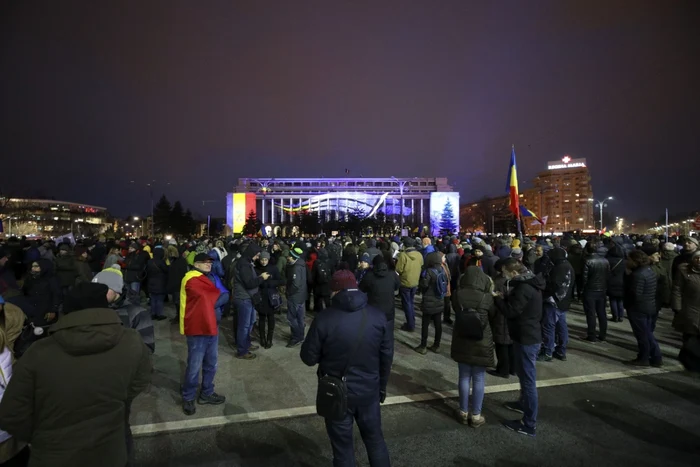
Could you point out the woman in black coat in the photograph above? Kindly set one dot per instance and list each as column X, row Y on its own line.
column 473, row 304
column 616, row 279
column 640, row 301
column 270, row 300
column 42, row 292
column 505, row 355
column 432, row 305
column 157, row 272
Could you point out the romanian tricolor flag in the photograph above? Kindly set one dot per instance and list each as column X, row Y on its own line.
column 512, row 185
column 525, row 212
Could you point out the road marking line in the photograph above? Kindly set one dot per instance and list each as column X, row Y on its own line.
column 209, row 422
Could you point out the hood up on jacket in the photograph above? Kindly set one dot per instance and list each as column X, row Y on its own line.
column 86, row 295
column 158, row 253
column 251, row 250
column 379, row 266
column 476, row 279
column 349, row 300
column 557, row 255
column 529, row 277
column 87, row 332
column 433, row 260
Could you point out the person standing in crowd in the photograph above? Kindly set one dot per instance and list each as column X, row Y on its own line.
column 596, row 271
column 296, row 296
column 452, row 263
column 663, row 280
column 685, row 298
column 351, row 339
column 176, row 272
column 505, row 356
column 362, row 267
column 615, row 286
column 157, row 272
column 271, row 299
column 380, row 284
column 690, row 246
column 198, row 322
column 43, row 293
column 640, row 302
column 135, row 268
column 94, row 367
column 558, row 294
column 473, row 304
column 409, row 265
column 132, row 314
column 322, row 272
column 66, row 271
column 433, row 286
column 82, row 267
column 246, row 296
column 8, row 281
column 113, row 257
column 522, row 305
column 575, row 257
column 350, row 256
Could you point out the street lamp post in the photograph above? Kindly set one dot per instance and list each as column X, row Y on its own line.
column 601, row 205
column 401, row 184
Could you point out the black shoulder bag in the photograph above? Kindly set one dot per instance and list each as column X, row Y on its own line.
column 332, row 394
column 468, row 324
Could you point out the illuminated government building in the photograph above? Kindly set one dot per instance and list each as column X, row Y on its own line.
column 407, row 201
column 562, row 193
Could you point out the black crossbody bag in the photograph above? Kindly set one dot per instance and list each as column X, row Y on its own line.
column 332, row 394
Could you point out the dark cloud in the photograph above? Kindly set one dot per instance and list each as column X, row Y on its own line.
column 197, row 94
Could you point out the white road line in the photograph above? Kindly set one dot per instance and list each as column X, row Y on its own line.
column 209, row 422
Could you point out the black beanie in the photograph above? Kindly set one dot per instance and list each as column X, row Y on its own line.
column 86, row 295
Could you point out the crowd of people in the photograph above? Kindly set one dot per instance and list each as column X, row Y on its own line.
column 78, row 320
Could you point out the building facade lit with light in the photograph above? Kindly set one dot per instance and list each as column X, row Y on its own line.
column 562, row 194
column 276, row 200
column 50, row 218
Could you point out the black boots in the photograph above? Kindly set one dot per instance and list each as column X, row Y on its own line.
column 268, row 340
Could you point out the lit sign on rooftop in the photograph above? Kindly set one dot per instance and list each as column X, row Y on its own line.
column 566, row 163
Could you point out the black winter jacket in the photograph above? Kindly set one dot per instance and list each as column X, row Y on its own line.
column 322, row 285
column 157, row 272
column 596, row 270
column 616, row 279
column 135, row 266
column 332, row 338
column 640, row 288
column 66, row 271
column 431, row 303
column 43, row 293
column 499, row 322
column 178, row 269
column 452, row 260
column 297, row 290
column 560, row 281
column 380, row 284
column 268, row 287
column 246, row 282
column 523, row 307
column 474, row 292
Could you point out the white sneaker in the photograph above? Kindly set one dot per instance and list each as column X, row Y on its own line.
column 477, row 420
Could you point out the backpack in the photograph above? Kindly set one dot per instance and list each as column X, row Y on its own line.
column 323, row 273
column 440, row 283
column 468, row 325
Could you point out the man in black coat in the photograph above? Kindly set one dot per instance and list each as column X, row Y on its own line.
column 380, row 284
column 352, row 339
column 322, row 271
column 522, row 305
column 557, row 294
column 452, row 260
column 596, row 271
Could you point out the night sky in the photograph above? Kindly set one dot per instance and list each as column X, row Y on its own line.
column 94, row 95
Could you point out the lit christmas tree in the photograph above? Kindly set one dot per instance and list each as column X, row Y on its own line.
column 448, row 223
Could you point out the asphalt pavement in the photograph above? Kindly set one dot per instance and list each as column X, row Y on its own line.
column 641, row 421
column 593, row 408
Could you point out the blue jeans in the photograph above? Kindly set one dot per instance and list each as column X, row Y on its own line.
column 408, row 294
column 246, row 317
column 643, row 329
column 554, row 322
column 525, row 358
column 369, row 421
column 135, row 287
column 616, row 308
column 468, row 375
column 295, row 316
column 157, row 304
column 202, row 354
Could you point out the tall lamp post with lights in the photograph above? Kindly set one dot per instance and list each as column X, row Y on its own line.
column 601, row 205
column 401, row 183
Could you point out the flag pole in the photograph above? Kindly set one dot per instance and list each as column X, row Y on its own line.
column 667, row 225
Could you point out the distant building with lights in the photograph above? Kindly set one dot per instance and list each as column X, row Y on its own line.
column 275, row 200
column 561, row 193
column 51, row 218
